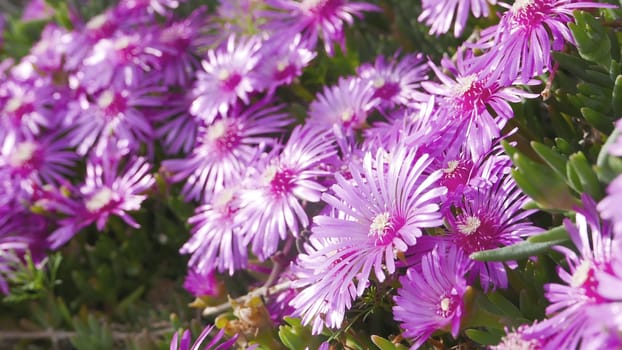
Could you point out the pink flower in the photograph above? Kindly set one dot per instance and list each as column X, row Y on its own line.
column 439, row 15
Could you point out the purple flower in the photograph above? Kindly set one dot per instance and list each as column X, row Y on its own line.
column 185, row 343
column 314, row 18
column 49, row 52
column 377, row 213
column 216, row 241
column 177, row 129
column 439, row 15
column 467, row 98
column 228, row 75
column 489, row 218
column 23, row 106
column 201, row 284
column 396, row 82
column 87, row 35
column 520, row 45
column 270, row 200
column 592, row 280
column 608, row 206
column 515, row 340
column 37, row 10
column 225, row 148
column 345, row 105
column 283, row 62
column 136, row 7
column 111, row 115
column 36, row 160
column 431, row 297
column 104, row 193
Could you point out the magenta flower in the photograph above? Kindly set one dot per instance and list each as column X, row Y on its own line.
column 516, row 340
column 87, row 35
column 609, row 206
column 225, row 148
column 104, row 193
column 228, row 75
column 315, row 18
column 24, row 106
column 467, row 98
column 216, row 241
column 379, row 212
column 439, row 15
column 397, row 81
column 345, row 105
column 177, row 129
column 489, row 218
column 36, row 160
column 431, row 298
column 48, row 53
column 520, row 46
column 113, row 114
column 201, row 284
column 270, row 201
column 136, row 7
column 291, row 58
column 185, row 343
column 591, row 281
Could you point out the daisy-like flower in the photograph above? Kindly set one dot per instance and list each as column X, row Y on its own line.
column 397, row 81
column 467, row 98
column 515, row 340
column 216, row 241
column 114, row 114
column 185, row 343
column 48, row 53
column 136, row 7
column 290, row 60
column 177, row 129
column 608, row 206
column 88, row 34
column 379, row 212
column 24, row 107
column 224, row 149
column 201, row 284
column 345, row 105
column 40, row 160
column 118, row 60
column 270, row 201
column 520, row 46
column 439, row 15
column 431, row 297
column 592, row 280
column 105, row 192
column 315, row 18
column 228, row 75
column 491, row 217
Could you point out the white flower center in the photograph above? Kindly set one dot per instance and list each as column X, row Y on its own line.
column 97, row 22
column 223, row 198
column 13, row 104
column 22, row 154
column 521, row 4
column 379, row 82
column 445, row 304
column 463, row 84
column 281, row 65
column 347, row 115
column 581, row 274
column 99, row 200
column 469, row 226
column 269, row 174
column 217, row 130
column 105, row 99
column 379, row 224
column 223, row 75
column 452, row 165
column 122, row 43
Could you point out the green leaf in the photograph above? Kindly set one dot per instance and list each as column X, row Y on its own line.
column 592, row 40
column 616, row 96
column 597, row 119
column 555, row 234
column 556, row 161
column 482, row 337
column 384, row 344
column 517, row 251
column 586, row 175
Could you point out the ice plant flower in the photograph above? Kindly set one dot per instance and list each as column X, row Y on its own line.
column 228, row 74
column 315, row 18
column 466, row 99
column 608, row 206
column 24, row 107
column 345, row 105
column 185, row 343
column 397, row 81
column 291, row 59
column 216, row 241
column 589, row 282
column 515, row 340
column 116, row 113
column 491, row 217
column 104, row 193
column 380, row 212
column 431, row 297
column 270, row 199
column 201, row 284
column 225, row 148
column 520, row 46
column 439, row 15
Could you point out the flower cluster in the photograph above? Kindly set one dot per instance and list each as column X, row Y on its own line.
column 394, row 175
